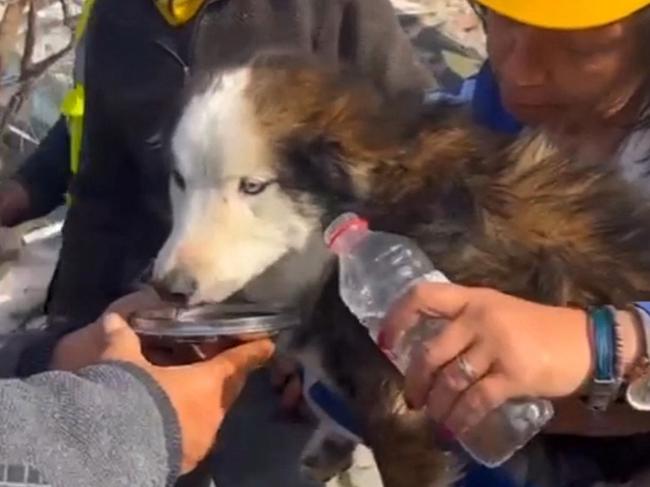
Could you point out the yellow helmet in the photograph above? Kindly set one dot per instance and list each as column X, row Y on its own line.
column 566, row 14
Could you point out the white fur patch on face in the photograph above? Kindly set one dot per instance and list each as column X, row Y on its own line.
column 231, row 220
column 218, row 136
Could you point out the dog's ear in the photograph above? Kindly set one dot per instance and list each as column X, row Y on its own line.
column 317, row 165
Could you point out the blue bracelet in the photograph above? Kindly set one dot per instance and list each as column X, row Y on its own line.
column 606, row 381
column 602, row 322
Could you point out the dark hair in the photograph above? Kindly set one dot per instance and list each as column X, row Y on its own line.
column 480, row 10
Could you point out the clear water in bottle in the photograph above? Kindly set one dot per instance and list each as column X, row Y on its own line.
column 377, row 268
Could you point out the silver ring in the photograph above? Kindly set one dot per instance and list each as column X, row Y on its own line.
column 466, row 368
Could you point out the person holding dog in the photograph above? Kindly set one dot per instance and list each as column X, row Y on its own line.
column 577, row 70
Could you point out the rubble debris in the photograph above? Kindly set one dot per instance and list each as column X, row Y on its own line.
column 36, row 39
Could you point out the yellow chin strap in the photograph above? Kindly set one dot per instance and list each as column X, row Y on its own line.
column 177, row 12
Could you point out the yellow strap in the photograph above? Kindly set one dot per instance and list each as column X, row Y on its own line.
column 73, row 103
column 83, row 18
column 178, row 12
column 73, row 109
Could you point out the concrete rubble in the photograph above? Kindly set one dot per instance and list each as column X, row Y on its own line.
column 41, row 108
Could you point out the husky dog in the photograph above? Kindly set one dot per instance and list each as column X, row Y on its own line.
column 266, row 155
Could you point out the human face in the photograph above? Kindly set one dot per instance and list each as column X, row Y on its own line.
column 557, row 78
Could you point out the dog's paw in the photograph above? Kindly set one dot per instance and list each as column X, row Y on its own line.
column 324, row 467
column 326, row 456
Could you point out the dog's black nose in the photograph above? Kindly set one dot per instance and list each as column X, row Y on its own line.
column 175, row 284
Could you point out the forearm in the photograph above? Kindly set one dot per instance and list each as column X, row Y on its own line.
column 107, row 425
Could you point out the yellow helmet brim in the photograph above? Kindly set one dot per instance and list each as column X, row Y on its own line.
column 563, row 14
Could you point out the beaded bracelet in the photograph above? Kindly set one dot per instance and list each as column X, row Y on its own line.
column 637, row 393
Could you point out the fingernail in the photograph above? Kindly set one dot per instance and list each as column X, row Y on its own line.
column 113, row 322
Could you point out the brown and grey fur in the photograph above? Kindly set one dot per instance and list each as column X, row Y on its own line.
column 507, row 214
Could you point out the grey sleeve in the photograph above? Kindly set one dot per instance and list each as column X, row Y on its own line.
column 108, row 425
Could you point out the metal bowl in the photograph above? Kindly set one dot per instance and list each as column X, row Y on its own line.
column 211, row 322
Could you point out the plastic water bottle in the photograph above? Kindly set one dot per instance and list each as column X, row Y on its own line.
column 376, row 269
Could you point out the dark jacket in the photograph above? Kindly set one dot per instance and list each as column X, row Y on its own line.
column 136, row 67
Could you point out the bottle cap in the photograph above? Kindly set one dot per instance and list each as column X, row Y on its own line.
column 341, row 225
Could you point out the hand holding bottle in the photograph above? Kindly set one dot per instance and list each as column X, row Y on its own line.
column 376, row 269
column 494, row 348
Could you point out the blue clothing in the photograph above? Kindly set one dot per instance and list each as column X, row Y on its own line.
column 481, row 93
column 480, row 476
column 487, row 108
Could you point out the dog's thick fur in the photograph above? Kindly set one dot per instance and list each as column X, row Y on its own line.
column 268, row 154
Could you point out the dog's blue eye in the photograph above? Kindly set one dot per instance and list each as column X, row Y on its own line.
column 252, row 186
column 178, row 180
